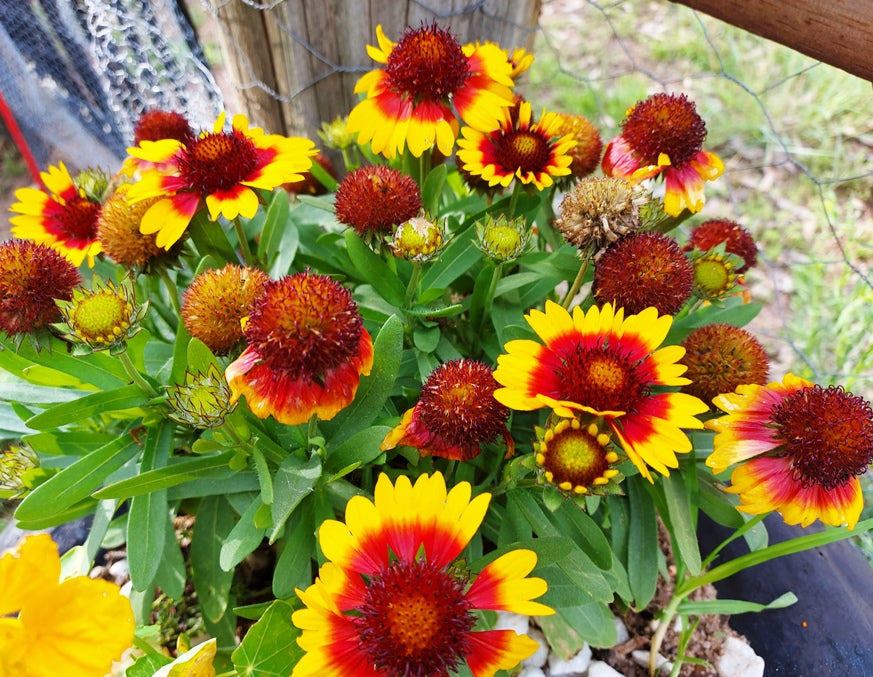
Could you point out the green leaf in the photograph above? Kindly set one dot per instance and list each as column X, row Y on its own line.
column 262, row 470
column 294, row 479
column 275, row 225
column 73, row 443
column 374, row 389
column 210, row 239
column 215, row 519
column 733, row 606
column 454, row 261
column 243, row 538
column 170, row 576
column 642, row 556
column 373, row 269
column 432, row 189
column 200, row 357
column 147, row 522
column 294, row 566
column 177, row 472
column 571, row 627
column 360, row 449
column 681, row 521
column 100, row 402
column 270, row 647
column 76, row 482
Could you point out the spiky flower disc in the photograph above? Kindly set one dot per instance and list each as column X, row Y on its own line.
column 576, row 458
column 588, row 149
column 799, row 449
column 155, row 124
column 307, row 349
column 64, row 216
column 32, row 276
column 418, row 239
column 215, row 304
column 455, row 414
column 720, row 358
column 715, row 274
column 736, row 239
column 644, row 269
column 600, row 210
column 664, row 135
column 502, row 239
column 376, row 199
column 118, row 230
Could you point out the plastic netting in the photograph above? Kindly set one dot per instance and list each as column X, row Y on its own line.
column 77, row 74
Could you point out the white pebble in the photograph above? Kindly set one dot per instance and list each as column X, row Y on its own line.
column 125, row 589
column 532, row 671
column 576, row 665
column 739, row 659
column 120, row 570
column 620, row 630
column 509, row 621
column 601, row 669
column 541, row 655
column 641, row 658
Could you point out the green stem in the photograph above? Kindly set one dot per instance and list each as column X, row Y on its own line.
column 244, row 243
column 664, row 623
column 488, row 301
column 513, row 200
column 171, row 289
column 577, row 283
column 413, row 283
column 134, row 374
column 423, row 166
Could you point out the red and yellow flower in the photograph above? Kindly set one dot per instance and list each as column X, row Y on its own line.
column 532, row 152
column 663, row 135
column 222, row 169
column 63, row 216
column 392, row 600
column 429, row 81
column 610, row 366
column 800, row 448
column 307, row 349
column 76, row 627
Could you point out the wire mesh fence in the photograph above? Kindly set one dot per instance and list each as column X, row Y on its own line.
column 795, row 134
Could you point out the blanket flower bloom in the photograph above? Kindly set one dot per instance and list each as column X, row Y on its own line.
column 307, row 348
column 429, row 81
column 455, row 414
column 48, row 627
column 63, row 216
column 532, row 152
column 224, row 169
column 608, row 365
column 663, row 135
column 392, row 601
column 800, row 448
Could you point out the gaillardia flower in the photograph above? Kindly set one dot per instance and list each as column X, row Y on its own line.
column 32, row 276
column 376, row 199
column 644, row 269
column 64, row 217
column 800, row 448
column 391, row 601
column 664, row 135
column 605, row 364
column 534, row 153
column 48, row 627
column 588, row 149
column 720, row 358
column 455, row 414
column 418, row 239
column 221, row 168
column 426, row 75
column 307, row 349
column 737, row 240
column 118, row 230
column 156, row 124
column 215, row 304
column 576, row 458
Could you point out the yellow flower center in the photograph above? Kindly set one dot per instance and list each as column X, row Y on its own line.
column 417, row 238
column 713, row 276
column 502, row 240
column 575, row 459
column 102, row 317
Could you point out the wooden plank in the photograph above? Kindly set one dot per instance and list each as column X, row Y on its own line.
column 836, row 32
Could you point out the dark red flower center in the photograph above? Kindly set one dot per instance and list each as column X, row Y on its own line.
column 600, row 379
column 457, row 403
column 737, row 240
column 524, row 150
column 664, row 123
column 427, row 64
column 75, row 223
column 827, row 433
column 155, row 125
column 414, row 621
column 305, row 324
column 376, row 199
column 218, row 162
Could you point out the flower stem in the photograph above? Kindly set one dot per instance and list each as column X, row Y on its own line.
column 135, row 376
column 577, row 283
column 664, row 623
column 413, row 283
column 171, row 289
column 513, row 200
column 244, row 243
column 423, row 167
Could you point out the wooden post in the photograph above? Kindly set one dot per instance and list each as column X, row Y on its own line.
column 837, row 32
column 310, row 53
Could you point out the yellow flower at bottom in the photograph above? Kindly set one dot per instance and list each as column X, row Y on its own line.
column 49, row 627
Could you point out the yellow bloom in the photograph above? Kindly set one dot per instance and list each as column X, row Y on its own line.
column 49, row 627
